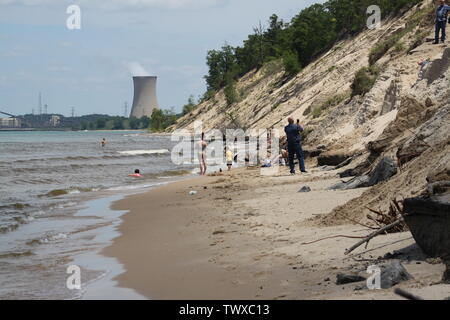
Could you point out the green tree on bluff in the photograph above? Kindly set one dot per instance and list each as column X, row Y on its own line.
column 221, row 63
column 161, row 119
column 273, row 37
column 310, row 33
column 291, row 64
column 187, row 108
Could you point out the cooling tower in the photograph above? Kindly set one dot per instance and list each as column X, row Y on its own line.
column 144, row 101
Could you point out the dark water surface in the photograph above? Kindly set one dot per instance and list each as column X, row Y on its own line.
column 45, row 178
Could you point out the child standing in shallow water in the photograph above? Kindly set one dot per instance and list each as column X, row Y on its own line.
column 229, row 157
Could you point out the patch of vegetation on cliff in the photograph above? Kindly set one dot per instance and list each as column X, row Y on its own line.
column 393, row 41
column 329, row 103
column 272, row 67
column 305, row 134
column 364, row 80
column 419, row 39
column 231, row 95
column 399, row 47
column 380, row 49
column 190, row 106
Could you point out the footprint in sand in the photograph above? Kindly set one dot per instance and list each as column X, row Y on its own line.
column 262, row 274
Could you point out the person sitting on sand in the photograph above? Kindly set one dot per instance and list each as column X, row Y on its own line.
column 283, row 157
column 202, row 154
column 267, row 163
column 229, row 157
column 136, row 174
column 423, row 67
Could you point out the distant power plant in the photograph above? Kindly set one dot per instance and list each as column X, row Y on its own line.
column 145, row 100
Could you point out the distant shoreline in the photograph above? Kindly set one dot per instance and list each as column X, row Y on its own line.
column 67, row 129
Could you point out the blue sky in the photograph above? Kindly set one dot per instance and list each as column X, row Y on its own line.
column 89, row 69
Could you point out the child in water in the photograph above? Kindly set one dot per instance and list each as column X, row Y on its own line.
column 229, row 157
column 137, row 174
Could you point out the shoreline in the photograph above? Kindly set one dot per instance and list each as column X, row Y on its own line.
column 240, row 237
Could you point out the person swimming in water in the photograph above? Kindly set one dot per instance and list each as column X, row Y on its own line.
column 136, row 174
column 202, row 154
column 103, row 142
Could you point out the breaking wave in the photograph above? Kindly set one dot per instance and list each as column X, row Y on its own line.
column 62, row 192
column 48, row 239
column 16, row 254
column 143, row 152
column 118, row 155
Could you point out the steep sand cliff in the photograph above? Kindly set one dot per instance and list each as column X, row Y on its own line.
column 405, row 115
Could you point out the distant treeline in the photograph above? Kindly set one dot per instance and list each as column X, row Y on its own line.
column 159, row 121
column 310, row 33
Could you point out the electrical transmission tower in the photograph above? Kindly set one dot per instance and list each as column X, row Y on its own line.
column 40, row 104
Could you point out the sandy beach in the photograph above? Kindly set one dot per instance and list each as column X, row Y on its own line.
column 243, row 235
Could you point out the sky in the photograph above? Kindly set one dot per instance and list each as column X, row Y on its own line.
column 91, row 68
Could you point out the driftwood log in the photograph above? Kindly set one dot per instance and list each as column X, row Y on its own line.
column 407, row 295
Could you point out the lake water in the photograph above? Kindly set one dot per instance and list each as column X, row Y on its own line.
column 46, row 180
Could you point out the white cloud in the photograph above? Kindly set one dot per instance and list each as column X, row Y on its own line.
column 117, row 4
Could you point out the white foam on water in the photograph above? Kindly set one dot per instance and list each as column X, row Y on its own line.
column 133, row 135
column 137, row 186
column 141, row 152
column 25, row 219
column 39, row 213
column 55, row 237
column 61, row 206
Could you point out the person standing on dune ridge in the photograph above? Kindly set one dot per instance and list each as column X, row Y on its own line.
column 441, row 21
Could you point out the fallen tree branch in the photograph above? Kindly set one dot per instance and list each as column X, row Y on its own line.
column 374, row 234
column 339, row 236
column 356, row 222
column 407, row 295
column 374, row 211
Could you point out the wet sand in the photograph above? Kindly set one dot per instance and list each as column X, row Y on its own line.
column 242, row 237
